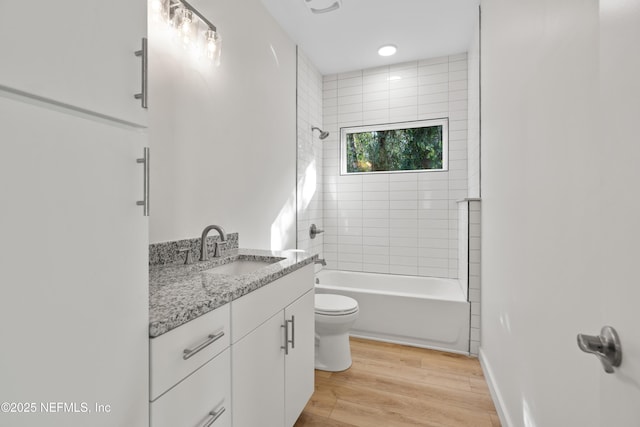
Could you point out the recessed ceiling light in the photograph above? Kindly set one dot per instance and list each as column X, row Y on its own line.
column 387, row 50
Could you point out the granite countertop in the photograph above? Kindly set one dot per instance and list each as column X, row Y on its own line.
column 179, row 293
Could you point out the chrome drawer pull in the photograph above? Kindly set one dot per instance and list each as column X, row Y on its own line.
column 286, row 337
column 215, row 415
column 293, row 331
column 288, row 341
column 144, row 54
column 188, row 352
column 145, row 192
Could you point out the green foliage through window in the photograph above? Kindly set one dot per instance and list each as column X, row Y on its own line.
column 385, row 149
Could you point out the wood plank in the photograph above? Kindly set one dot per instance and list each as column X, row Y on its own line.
column 395, row 385
column 367, row 416
column 310, row 420
column 416, row 408
column 323, row 399
column 406, row 386
column 416, row 376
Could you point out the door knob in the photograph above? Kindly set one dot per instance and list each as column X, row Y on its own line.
column 606, row 346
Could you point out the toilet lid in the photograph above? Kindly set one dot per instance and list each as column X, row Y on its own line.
column 335, row 305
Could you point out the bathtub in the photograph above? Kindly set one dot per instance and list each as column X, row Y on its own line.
column 419, row 311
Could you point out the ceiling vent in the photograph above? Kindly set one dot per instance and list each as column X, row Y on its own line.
column 323, row 6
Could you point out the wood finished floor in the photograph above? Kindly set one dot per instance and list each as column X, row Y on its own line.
column 392, row 385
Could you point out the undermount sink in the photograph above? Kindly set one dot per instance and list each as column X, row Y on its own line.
column 241, row 266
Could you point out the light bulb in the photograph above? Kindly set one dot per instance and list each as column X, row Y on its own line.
column 175, row 21
column 211, row 47
column 159, row 10
column 185, row 27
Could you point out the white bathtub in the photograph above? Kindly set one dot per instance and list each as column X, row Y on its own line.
column 420, row 311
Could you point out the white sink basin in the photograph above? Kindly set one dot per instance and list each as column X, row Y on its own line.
column 241, row 266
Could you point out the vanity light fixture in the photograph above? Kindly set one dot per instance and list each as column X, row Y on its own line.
column 195, row 31
column 387, row 50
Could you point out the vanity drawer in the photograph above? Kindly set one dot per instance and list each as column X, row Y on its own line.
column 206, row 336
column 251, row 310
column 201, row 397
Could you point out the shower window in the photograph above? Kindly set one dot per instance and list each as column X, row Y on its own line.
column 395, row 147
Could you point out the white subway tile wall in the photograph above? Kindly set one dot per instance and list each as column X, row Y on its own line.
column 310, row 155
column 401, row 223
column 463, row 249
column 474, row 273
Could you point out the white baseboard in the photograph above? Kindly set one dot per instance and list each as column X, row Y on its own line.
column 505, row 419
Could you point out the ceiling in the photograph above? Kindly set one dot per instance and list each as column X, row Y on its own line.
column 348, row 39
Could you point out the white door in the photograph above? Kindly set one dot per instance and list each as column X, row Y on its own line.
column 78, row 52
column 73, row 270
column 299, row 363
column 561, row 212
column 620, row 202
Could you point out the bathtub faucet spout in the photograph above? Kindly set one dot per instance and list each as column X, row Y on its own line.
column 321, row 261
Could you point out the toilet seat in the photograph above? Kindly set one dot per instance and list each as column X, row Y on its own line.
column 335, row 305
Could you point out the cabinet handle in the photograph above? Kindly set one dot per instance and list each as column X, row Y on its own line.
column 142, row 96
column 188, row 352
column 288, row 341
column 145, row 201
column 293, row 331
column 286, row 337
column 215, row 415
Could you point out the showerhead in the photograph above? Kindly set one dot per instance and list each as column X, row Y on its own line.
column 323, row 134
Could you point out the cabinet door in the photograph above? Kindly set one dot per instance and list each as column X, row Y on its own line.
column 73, row 269
column 257, row 373
column 77, row 52
column 299, row 363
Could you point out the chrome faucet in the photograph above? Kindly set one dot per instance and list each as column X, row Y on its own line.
column 203, row 242
column 321, row 261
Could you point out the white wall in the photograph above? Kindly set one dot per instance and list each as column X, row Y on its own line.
column 539, row 173
column 473, row 124
column 309, row 154
column 223, row 140
column 403, row 223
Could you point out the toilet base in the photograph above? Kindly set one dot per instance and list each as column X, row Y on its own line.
column 333, row 353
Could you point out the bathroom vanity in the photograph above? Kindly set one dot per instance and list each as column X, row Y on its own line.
column 232, row 340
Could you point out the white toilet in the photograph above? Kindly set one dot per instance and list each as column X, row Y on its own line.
column 335, row 315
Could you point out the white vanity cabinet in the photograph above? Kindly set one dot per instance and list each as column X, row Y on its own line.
column 272, row 351
column 76, row 52
column 191, row 373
